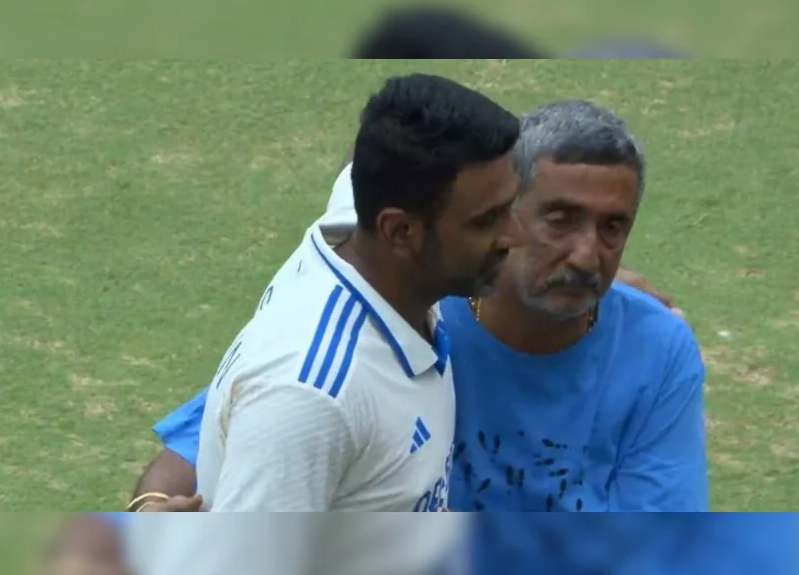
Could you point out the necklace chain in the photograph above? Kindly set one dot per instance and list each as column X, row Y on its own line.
column 475, row 304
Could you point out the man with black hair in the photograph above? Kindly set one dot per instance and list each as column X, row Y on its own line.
column 337, row 395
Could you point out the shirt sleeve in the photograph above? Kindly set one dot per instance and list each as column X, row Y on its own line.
column 179, row 431
column 664, row 467
column 286, row 449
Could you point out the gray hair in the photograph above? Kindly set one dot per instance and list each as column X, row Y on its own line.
column 576, row 132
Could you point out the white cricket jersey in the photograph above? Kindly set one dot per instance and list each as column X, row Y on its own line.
column 326, row 401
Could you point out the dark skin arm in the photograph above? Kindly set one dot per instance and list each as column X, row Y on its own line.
column 168, row 473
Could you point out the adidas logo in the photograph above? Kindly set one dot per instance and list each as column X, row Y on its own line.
column 420, row 435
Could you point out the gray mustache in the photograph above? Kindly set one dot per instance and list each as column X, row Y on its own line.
column 573, row 278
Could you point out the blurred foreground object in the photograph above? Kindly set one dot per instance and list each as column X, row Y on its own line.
column 343, row 543
column 430, row 33
column 444, row 33
column 86, row 545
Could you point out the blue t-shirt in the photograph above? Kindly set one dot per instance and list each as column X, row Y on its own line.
column 612, row 423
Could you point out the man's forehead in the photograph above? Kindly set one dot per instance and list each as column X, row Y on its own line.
column 555, row 173
column 483, row 186
column 599, row 187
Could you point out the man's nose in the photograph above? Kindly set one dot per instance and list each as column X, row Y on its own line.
column 585, row 250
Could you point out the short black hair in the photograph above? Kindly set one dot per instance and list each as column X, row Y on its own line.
column 429, row 33
column 416, row 134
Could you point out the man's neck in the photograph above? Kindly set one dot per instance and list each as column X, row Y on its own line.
column 387, row 279
column 525, row 330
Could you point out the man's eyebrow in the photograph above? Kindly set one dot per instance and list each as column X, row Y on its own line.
column 560, row 204
column 495, row 208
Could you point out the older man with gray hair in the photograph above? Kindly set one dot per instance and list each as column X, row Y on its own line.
column 582, row 394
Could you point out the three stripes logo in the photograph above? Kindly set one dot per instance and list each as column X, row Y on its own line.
column 420, row 435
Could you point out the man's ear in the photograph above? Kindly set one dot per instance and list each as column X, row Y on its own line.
column 402, row 232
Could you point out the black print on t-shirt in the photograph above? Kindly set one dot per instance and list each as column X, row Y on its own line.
column 549, row 455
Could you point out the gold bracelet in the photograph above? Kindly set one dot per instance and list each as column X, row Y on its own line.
column 140, row 502
column 143, row 506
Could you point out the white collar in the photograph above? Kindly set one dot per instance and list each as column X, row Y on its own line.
column 414, row 353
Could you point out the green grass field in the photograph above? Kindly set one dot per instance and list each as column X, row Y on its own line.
column 145, row 205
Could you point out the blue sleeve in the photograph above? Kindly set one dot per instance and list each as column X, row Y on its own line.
column 662, row 467
column 180, row 430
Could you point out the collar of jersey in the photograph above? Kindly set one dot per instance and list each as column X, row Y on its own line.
column 413, row 352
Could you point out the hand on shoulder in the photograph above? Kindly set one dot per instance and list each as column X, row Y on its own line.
column 639, row 282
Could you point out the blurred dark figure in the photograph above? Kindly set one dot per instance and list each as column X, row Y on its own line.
column 431, row 33
column 442, row 33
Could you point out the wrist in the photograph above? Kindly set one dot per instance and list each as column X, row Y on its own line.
column 141, row 502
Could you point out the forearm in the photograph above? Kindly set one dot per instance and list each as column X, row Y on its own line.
column 169, row 474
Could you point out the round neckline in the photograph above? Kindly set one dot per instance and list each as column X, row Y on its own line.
column 490, row 342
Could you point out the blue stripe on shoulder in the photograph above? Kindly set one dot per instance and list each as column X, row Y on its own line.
column 327, row 312
column 335, row 341
column 350, row 351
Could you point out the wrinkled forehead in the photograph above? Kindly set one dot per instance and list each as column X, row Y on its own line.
column 599, row 188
